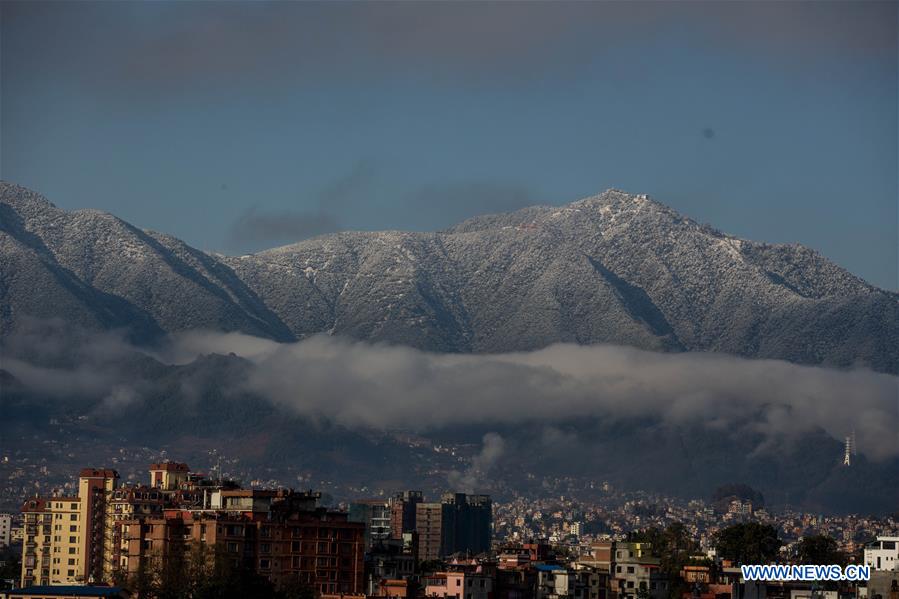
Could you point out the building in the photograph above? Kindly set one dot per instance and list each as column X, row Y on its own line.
column 5, row 530
column 429, row 526
column 460, row 523
column 403, row 512
column 94, row 487
column 64, row 536
column 51, row 548
column 599, row 556
column 168, row 476
column 387, row 563
column 466, row 524
column 17, row 535
column 636, row 569
column 558, row 582
column 109, row 532
column 883, row 554
column 464, row 584
column 376, row 515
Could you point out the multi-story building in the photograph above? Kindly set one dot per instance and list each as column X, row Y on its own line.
column 5, row 530
column 376, row 515
column 636, row 569
column 387, row 563
column 466, row 523
column 94, row 487
column 599, row 556
column 883, row 554
column 559, row 582
column 108, row 533
column 64, row 536
column 460, row 523
column 403, row 512
column 429, row 526
column 50, row 548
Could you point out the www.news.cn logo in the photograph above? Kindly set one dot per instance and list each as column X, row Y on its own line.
column 807, row 573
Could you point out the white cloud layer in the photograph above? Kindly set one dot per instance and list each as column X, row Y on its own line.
column 363, row 385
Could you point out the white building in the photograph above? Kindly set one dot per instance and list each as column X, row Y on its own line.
column 5, row 530
column 883, row 554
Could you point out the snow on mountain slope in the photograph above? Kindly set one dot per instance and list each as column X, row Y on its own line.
column 613, row 268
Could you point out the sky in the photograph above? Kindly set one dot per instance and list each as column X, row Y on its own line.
column 244, row 125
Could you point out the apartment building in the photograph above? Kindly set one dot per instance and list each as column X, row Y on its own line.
column 109, row 532
column 376, row 514
column 636, row 569
column 51, row 544
column 402, row 512
column 429, row 526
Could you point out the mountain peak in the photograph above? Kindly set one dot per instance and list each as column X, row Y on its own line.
column 23, row 199
column 616, row 268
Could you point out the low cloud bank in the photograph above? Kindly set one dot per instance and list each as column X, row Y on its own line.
column 362, row 385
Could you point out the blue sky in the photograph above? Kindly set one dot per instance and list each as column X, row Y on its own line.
column 239, row 126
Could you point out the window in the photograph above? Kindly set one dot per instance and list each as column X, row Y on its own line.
column 264, row 564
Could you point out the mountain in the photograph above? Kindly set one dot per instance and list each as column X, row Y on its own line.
column 94, row 269
column 614, row 268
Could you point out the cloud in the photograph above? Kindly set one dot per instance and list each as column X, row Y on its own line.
column 257, row 228
column 428, row 207
column 377, row 386
column 365, row 386
column 151, row 48
column 452, row 202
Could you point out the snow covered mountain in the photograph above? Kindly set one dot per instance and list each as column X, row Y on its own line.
column 614, row 268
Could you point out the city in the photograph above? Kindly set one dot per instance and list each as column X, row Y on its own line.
column 182, row 533
column 441, row 299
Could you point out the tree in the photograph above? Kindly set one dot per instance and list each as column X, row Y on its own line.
column 12, row 565
column 431, row 566
column 295, row 589
column 819, row 549
column 673, row 547
column 748, row 543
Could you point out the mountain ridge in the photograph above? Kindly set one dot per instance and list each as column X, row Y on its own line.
column 612, row 268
